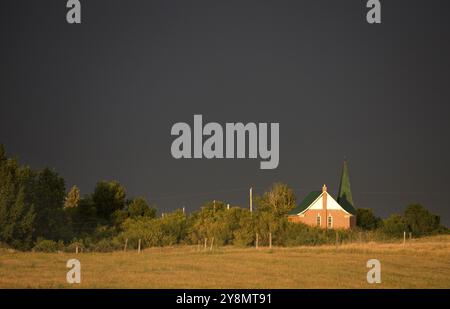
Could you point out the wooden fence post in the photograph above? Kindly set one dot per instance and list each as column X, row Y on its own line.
column 212, row 243
column 139, row 246
column 404, row 238
column 206, row 241
column 126, row 245
column 76, row 249
column 257, row 240
column 270, row 240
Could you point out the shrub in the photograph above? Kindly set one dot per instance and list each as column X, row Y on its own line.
column 72, row 247
column 420, row 221
column 106, row 245
column 46, row 245
column 394, row 226
column 366, row 220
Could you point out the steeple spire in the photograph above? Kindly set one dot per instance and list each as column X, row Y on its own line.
column 345, row 198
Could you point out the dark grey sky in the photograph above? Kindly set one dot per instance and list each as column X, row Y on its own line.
column 97, row 100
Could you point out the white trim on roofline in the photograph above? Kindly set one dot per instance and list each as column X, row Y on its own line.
column 320, row 196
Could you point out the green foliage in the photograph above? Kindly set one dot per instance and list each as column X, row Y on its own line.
column 47, row 245
column 394, row 226
column 108, row 197
column 279, row 200
column 366, row 220
column 166, row 231
column 267, row 223
column 214, row 220
column 48, row 199
column 140, row 208
column 72, row 247
column 298, row 234
column 35, row 212
column 83, row 218
column 419, row 221
column 17, row 214
column 106, row 245
column 174, row 228
column 73, row 198
column 244, row 235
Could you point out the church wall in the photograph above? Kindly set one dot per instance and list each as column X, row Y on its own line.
column 341, row 220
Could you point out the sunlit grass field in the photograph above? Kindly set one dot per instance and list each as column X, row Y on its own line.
column 421, row 263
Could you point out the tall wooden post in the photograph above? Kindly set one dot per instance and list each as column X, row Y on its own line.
column 404, row 238
column 251, row 199
column 257, row 241
column 270, row 240
column 206, row 241
column 139, row 246
column 212, row 243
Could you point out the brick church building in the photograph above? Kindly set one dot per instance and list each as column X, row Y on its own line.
column 320, row 209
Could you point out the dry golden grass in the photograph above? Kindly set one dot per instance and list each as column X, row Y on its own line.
column 422, row 263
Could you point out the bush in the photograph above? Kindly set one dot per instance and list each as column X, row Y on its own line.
column 394, row 226
column 106, row 245
column 46, row 245
column 72, row 247
column 166, row 231
column 366, row 220
column 420, row 221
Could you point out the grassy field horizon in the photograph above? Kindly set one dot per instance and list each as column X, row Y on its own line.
column 421, row 263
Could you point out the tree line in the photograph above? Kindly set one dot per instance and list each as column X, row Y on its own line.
column 37, row 213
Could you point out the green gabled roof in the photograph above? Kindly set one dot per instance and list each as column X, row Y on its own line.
column 311, row 197
column 347, row 206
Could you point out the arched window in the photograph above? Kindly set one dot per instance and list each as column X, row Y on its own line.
column 330, row 222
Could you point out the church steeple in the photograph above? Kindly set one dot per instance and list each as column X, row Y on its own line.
column 345, row 198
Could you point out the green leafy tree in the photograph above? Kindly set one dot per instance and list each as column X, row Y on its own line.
column 108, row 197
column 168, row 230
column 84, row 217
column 272, row 208
column 213, row 220
column 17, row 215
column 279, row 200
column 73, row 198
column 420, row 221
column 135, row 208
column 244, row 234
column 366, row 220
column 394, row 225
column 140, row 208
column 48, row 196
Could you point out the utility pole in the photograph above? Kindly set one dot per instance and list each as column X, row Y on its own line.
column 251, row 199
